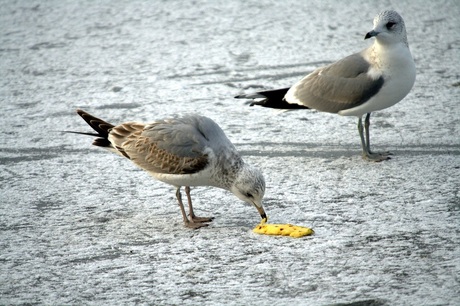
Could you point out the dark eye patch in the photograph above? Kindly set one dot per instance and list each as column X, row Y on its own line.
column 390, row 24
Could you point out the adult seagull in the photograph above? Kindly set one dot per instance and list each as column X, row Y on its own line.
column 187, row 151
column 373, row 79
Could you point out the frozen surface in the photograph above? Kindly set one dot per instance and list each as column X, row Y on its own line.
column 81, row 226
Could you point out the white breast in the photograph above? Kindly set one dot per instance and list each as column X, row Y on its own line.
column 202, row 178
column 398, row 70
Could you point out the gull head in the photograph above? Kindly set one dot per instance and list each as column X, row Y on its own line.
column 389, row 28
column 249, row 186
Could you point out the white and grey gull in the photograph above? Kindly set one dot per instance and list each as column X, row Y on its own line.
column 187, row 151
column 374, row 79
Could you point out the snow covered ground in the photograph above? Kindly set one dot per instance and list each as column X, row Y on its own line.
column 79, row 225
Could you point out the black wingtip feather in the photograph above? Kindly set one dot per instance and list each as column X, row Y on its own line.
column 99, row 125
column 272, row 99
column 102, row 142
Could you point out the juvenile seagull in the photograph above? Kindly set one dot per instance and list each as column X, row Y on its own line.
column 188, row 151
column 373, row 79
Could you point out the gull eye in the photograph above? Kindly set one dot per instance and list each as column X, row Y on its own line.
column 390, row 24
column 248, row 195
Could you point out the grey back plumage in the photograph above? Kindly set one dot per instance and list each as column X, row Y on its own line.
column 186, row 136
column 341, row 85
column 174, row 146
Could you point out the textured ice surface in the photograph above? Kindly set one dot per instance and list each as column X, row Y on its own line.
column 81, row 226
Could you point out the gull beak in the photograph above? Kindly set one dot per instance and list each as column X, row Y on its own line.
column 371, row 34
column 261, row 211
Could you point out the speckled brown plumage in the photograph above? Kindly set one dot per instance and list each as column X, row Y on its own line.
column 187, row 151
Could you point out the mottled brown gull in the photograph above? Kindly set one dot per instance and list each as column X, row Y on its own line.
column 375, row 78
column 188, row 151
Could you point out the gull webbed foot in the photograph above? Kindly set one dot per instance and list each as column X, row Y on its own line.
column 376, row 157
column 195, row 225
column 201, row 219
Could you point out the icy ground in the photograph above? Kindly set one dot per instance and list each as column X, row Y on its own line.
column 81, row 226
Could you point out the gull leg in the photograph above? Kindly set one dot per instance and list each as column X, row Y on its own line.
column 365, row 143
column 367, row 123
column 187, row 222
column 377, row 156
column 194, row 218
column 361, row 136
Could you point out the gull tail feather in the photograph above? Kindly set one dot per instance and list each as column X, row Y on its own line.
column 100, row 126
column 271, row 99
